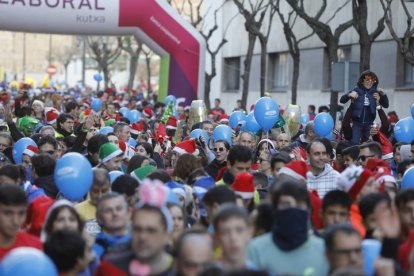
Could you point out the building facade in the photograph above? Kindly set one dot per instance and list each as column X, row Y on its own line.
column 396, row 76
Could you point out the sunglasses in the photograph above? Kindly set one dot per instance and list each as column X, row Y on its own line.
column 371, row 79
column 364, row 157
column 218, row 149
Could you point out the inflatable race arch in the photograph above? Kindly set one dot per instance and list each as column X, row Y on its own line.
column 153, row 22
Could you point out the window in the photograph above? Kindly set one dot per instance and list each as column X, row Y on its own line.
column 344, row 53
column 408, row 68
column 278, row 70
column 231, row 74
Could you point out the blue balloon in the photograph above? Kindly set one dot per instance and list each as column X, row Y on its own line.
column 304, row 119
column 114, row 175
column 223, row 132
column 20, row 146
column 371, row 250
column 412, row 110
column 172, row 197
column 408, row 179
column 134, row 116
column 170, row 98
column 323, row 124
column 266, row 113
column 73, row 175
column 96, row 104
column 404, row 130
column 124, row 111
column 105, row 130
column 236, row 118
column 251, row 123
column 132, row 142
column 27, row 261
column 97, row 77
column 196, row 133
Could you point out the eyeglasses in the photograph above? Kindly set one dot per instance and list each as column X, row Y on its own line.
column 218, row 149
column 364, row 157
column 50, row 152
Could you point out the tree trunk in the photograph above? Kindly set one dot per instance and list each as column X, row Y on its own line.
column 295, row 77
column 207, row 89
column 66, row 72
column 105, row 71
column 148, row 65
column 263, row 65
column 247, row 67
column 133, row 61
column 332, row 53
column 365, row 55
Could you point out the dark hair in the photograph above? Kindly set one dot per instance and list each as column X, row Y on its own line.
column 352, row 151
column 186, row 164
column 323, row 108
column 55, row 213
column 65, row 248
column 205, row 123
column 227, row 211
column 219, row 194
column 12, row 195
column 148, row 148
column 43, row 164
column 160, row 175
column 374, row 148
column 192, row 178
column 135, row 162
column 260, row 178
column 264, row 220
column 368, row 203
column 239, row 153
column 281, row 156
column 48, row 140
column 72, row 105
column 15, row 172
column 63, row 117
column 96, row 142
column 150, row 208
column 341, row 146
column 312, row 107
column 290, row 187
column 402, row 166
column 336, row 197
column 328, row 146
column 36, row 137
column 226, row 144
column 331, row 232
column 403, row 197
column 217, row 99
column 125, row 184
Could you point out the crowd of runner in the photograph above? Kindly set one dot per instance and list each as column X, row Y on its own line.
column 165, row 202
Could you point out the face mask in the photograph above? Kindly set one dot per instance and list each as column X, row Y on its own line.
column 290, row 229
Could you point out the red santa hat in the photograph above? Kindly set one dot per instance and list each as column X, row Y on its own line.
column 171, row 123
column 387, row 150
column 243, row 185
column 51, row 116
column 374, row 163
column 295, row 169
column 353, row 179
column 147, row 112
column 31, row 150
column 187, row 146
column 126, row 149
column 136, row 128
column 224, row 118
column 383, row 175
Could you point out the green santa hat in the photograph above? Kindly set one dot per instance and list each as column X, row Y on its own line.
column 109, row 151
column 27, row 124
column 142, row 172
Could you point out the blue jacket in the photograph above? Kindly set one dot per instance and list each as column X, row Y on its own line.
column 104, row 242
column 358, row 111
